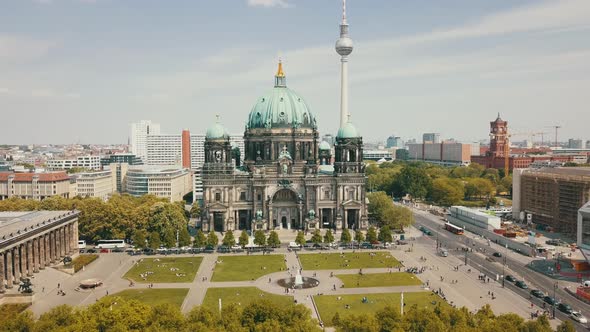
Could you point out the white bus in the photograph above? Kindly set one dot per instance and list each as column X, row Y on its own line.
column 110, row 244
column 81, row 244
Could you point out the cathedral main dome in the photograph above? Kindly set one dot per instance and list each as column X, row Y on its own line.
column 281, row 108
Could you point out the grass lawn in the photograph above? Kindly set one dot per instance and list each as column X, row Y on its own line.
column 379, row 279
column 241, row 295
column 240, row 268
column 185, row 267
column 328, row 305
column 357, row 260
column 155, row 296
column 83, row 260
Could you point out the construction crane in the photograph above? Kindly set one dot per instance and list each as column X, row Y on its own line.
column 556, row 128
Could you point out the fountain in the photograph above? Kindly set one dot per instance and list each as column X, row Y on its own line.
column 298, row 282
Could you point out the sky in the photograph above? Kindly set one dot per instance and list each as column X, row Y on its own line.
column 80, row 71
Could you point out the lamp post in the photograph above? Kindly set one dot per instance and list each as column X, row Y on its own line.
column 555, row 285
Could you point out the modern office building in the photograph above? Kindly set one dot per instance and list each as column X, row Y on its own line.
column 376, row 155
column 164, row 150
column 87, row 162
column 33, row 240
column 127, row 158
column 394, row 142
column 575, row 143
column 138, row 134
column 445, row 154
column 101, row 184
column 551, row 196
column 431, row 138
column 169, row 182
column 36, row 186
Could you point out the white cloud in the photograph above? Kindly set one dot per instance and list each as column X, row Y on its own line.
column 269, row 3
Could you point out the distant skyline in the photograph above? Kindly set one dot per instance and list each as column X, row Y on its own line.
column 80, row 71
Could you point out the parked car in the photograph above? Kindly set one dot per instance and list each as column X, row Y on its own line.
column 91, row 251
column 223, row 249
column 366, row 245
column 521, row 284
column 578, row 317
column 537, row 293
column 566, row 308
column 549, row 300
column 497, row 254
column 510, row 278
column 209, row 249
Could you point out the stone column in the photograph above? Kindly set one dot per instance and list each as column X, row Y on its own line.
column 9, row 275
column 46, row 249
column 345, row 219
column 73, row 242
column 52, row 254
column 16, row 260
column 67, row 241
column 58, row 243
column 36, row 255
column 41, row 244
column 29, row 249
column 2, row 290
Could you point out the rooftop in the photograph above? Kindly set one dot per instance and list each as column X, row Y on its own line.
column 15, row 224
column 28, row 177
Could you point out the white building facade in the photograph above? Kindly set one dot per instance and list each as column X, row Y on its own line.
column 88, row 162
column 138, row 136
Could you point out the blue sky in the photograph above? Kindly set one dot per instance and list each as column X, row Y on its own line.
column 82, row 70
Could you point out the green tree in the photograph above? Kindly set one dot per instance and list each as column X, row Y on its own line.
column 212, row 239
column 139, row 237
column 229, row 239
column 154, row 241
column 316, row 237
column 328, row 237
column 345, row 236
column 412, row 180
column 195, row 210
column 169, row 238
column 300, row 239
column 184, row 237
column 385, row 234
column 273, row 239
column 359, row 236
column 200, row 239
column 244, row 238
column 479, row 188
column 259, row 238
column 447, row 191
column 372, row 235
column 566, row 326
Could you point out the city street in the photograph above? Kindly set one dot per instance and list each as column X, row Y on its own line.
column 492, row 266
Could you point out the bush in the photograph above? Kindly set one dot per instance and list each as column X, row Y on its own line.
column 82, row 261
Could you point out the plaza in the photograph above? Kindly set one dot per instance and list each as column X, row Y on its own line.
column 240, row 280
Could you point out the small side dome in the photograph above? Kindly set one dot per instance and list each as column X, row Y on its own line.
column 348, row 131
column 324, row 146
column 216, row 131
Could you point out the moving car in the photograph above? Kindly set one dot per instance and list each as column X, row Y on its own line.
column 578, row 317
column 537, row 293
column 550, row 300
column 510, row 278
column 497, row 254
column 521, row 284
column 564, row 307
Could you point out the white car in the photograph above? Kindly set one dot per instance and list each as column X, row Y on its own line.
column 578, row 317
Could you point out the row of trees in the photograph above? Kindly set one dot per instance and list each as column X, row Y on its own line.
column 441, row 185
column 443, row 319
column 117, row 314
column 121, row 217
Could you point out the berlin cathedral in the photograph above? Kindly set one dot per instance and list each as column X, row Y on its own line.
column 288, row 179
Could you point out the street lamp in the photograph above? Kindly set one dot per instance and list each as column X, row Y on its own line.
column 555, row 285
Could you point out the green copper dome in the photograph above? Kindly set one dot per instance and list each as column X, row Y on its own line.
column 281, row 108
column 216, row 131
column 348, row 131
column 324, row 145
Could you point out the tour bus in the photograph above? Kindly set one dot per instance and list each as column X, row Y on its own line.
column 453, row 229
column 110, row 244
column 81, row 244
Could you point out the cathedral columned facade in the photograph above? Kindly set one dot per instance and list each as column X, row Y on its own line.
column 287, row 179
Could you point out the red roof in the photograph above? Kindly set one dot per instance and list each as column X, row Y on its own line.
column 28, row 177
